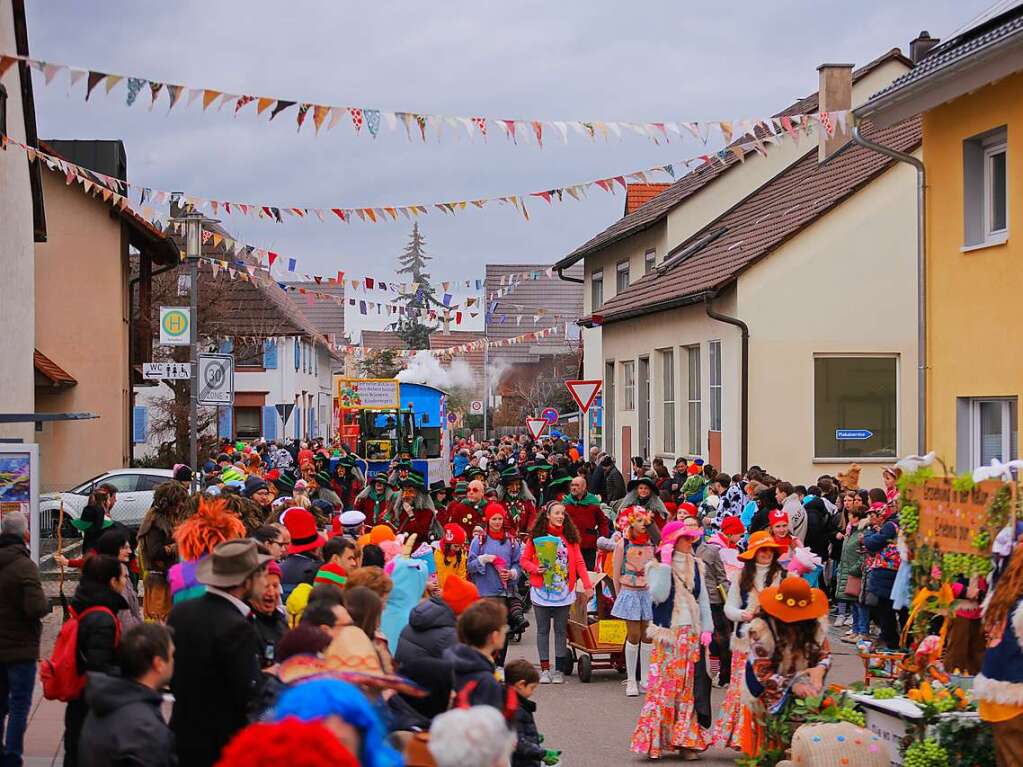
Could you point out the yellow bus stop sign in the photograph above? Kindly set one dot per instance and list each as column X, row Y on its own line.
column 174, row 326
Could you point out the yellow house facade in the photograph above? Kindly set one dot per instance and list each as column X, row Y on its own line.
column 969, row 93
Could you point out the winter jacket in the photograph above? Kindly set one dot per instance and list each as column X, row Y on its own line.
column 589, row 519
column 23, row 604
column 880, row 579
column 470, row 665
column 97, row 631
column 818, row 527
column 296, row 569
column 409, row 578
column 485, row 576
column 528, row 751
column 430, row 631
column 709, row 552
column 156, row 543
column 614, row 485
column 124, row 726
column 270, row 629
column 797, row 516
column 460, row 462
column 576, row 566
column 851, row 562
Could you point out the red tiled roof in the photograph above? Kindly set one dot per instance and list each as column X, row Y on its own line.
column 53, row 372
column 659, row 207
column 637, row 195
column 381, row 339
column 756, row 226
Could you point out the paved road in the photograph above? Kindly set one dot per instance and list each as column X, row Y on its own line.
column 592, row 723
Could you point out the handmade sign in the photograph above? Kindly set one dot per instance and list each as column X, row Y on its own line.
column 367, row 393
column 950, row 520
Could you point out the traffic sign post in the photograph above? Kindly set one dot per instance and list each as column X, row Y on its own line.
column 535, row 426
column 216, row 379
column 550, row 415
column 284, row 411
column 175, row 326
column 166, row 371
column 476, row 407
column 584, row 392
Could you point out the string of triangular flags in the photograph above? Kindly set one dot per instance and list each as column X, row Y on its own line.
column 771, row 134
column 138, row 90
column 466, row 348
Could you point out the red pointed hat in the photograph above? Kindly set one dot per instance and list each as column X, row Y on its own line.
column 302, row 527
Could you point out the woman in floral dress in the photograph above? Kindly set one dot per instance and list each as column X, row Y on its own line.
column 760, row 569
column 680, row 630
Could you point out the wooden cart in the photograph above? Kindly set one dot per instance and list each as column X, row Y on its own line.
column 586, row 651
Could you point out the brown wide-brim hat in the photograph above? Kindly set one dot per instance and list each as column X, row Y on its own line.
column 231, row 563
column 793, row 600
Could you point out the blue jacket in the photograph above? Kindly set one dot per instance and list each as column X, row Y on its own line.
column 459, row 464
column 485, row 576
column 880, row 580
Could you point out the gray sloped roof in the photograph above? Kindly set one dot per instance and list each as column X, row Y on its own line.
column 514, row 313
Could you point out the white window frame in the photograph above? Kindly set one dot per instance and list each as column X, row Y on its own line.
column 714, row 355
column 975, row 436
column 629, row 385
column 990, row 233
column 649, row 260
column 667, row 359
column 622, row 267
column 694, row 406
column 597, row 289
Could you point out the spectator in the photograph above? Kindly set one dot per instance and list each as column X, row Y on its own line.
column 481, row 631
column 614, row 482
column 304, row 554
column 521, row 675
column 788, row 499
column 158, row 551
column 216, row 676
column 269, row 621
column 102, row 582
column 23, row 605
column 124, row 725
column 473, row 737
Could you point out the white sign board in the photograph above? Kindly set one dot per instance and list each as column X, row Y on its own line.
column 166, row 371
column 19, row 487
column 476, row 407
column 216, row 379
column 175, row 328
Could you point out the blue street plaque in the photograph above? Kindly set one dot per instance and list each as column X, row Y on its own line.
column 844, row 434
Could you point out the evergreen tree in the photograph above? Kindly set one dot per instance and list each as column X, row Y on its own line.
column 412, row 329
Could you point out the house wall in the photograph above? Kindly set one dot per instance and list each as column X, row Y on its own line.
column 677, row 329
column 17, row 288
column 843, row 285
column 973, row 298
column 81, row 316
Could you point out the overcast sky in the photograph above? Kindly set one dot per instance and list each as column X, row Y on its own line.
column 569, row 59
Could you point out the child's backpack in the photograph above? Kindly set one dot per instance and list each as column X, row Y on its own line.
column 59, row 673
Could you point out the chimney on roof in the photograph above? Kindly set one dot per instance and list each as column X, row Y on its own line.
column 834, row 95
column 921, row 46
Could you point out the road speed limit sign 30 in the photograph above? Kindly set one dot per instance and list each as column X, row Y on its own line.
column 216, row 379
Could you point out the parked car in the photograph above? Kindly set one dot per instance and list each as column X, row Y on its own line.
column 134, row 497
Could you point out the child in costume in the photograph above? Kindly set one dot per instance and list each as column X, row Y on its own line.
column 760, row 568
column 681, row 628
column 778, row 524
column 450, row 556
column 632, row 604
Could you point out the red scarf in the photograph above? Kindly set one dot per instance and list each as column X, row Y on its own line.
column 497, row 536
column 558, row 531
column 642, row 539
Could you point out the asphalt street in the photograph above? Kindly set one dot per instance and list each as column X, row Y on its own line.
column 592, row 723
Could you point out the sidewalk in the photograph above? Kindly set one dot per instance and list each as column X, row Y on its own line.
column 44, row 737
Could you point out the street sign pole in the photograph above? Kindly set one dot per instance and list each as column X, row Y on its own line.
column 486, row 385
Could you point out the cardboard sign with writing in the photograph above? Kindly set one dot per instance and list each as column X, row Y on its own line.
column 949, row 519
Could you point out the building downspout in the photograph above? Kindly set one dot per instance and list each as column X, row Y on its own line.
column 561, row 276
column 708, row 303
column 921, row 281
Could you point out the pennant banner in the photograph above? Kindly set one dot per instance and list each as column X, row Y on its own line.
column 416, row 124
column 466, row 348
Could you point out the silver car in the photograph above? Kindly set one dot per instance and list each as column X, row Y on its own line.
column 134, row 496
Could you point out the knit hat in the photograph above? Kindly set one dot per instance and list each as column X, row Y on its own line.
column 458, row 594
column 777, row 516
column 381, row 533
column 331, row 573
column 793, row 600
column 301, row 526
column 493, row 510
column 688, row 508
column 272, row 568
column 732, row 526
column 231, row 474
column 454, row 535
column 253, row 484
column 182, row 472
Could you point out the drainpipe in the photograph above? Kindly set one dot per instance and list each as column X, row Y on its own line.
column 708, row 303
column 561, row 276
column 921, row 280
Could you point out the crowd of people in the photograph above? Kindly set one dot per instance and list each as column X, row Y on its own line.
column 294, row 607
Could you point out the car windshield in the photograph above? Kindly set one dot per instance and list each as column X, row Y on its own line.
column 83, row 488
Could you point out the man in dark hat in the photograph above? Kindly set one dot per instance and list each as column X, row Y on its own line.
column 375, row 499
column 467, row 513
column 439, row 494
column 258, row 491
column 537, row 476
column 347, row 481
column 556, row 489
column 517, row 500
column 412, row 510
column 216, row 666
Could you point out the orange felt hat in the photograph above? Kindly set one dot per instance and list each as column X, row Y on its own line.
column 761, row 539
column 794, row 600
column 458, row 594
column 381, row 533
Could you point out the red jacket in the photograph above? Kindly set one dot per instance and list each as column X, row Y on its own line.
column 521, row 515
column 576, row 566
column 461, row 513
column 419, row 523
column 589, row 519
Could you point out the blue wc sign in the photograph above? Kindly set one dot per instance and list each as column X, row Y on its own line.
column 853, row 434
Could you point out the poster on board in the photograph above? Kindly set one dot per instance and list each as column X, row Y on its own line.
column 19, row 486
column 366, row 393
column 950, row 519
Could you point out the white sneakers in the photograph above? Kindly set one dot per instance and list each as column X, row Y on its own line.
column 631, row 689
column 545, row 676
column 557, row 677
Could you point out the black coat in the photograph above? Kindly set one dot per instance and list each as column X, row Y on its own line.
column 471, row 666
column 216, row 676
column 124, row 726
column 97, row 631
column 420, row 655
column 22, row 602
column 296, row 569
column 818, row 529
column 528, row 751
column 270, row 629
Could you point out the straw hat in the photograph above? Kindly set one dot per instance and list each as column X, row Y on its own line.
column 793, row 600
column 761, row 539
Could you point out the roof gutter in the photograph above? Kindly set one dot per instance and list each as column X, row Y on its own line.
column 921, row 279
column 561, row 276
column 708, row 304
